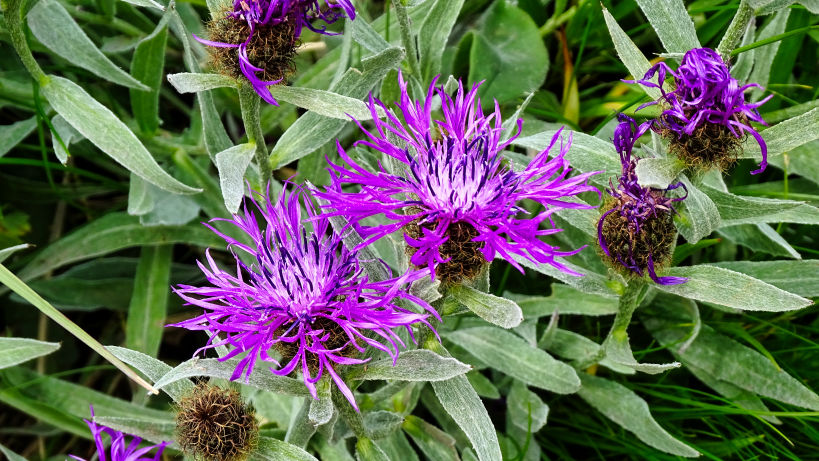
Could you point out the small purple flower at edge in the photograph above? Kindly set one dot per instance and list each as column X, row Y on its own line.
column 705, row 92
column 118, row 450
column 454, row 172
column 636, row 204
column 300, row 291
column 272, row 12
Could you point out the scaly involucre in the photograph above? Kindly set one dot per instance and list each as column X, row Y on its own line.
column 119, row 450
column 636, row 204
column 298, row 289
column 452, row 171
column 301, row 13
column 705, row 92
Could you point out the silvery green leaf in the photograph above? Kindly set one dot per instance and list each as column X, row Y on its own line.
column 587, row 153
column 153, row 369
column 760, row 237
column 482, row 385
column 737, row 209
column 364, row 34
column 146, row 3
column 57, row 30
column 618, row 351
column 672, row 24
column 741, row 70
column 526, row 407
column 216, row 369
column 152, row 430
column 434, row 33
column 729, row 361
column 367, row 450
column 582, row 350
column 169, row 209
column 8, row 251
column 321, row 409
column 140, row 196
column 381, row 424
column 764, row 55
column 189, row 82
column 326, row 103
column 589, row 282
column 11, row 135
column 10, row 455
column 631, row 56
column 510, row 125
column 658, row 172
column 300, row 429
column 785, row 136
column 311, row 131
column 697, row 216
column 232, row 164
column 763, row 7
column 631, row 412
column 510, row 354
column 499, row 311
column 19, row 350
column 100, row 126
column 414, row 365
column 732, row 289
column 67, row 134
column 270, row 449
column 433, row 442
column 148, row 66
column 568, row 300
column 798, row 277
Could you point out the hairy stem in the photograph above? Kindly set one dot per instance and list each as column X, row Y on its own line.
column 406, row 37
column 249, row 102
column 14, row 23
column 737, row 28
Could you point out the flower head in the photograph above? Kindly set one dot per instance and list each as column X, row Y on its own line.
column 637, row 230
column 118, row 450
column 706, row 110
column 265, row 32
column 452, row 191
column 300, row 291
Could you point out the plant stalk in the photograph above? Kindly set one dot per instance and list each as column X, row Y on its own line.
column 250, row 103
column 406, row 37
column 737, row 28
column 14, row 23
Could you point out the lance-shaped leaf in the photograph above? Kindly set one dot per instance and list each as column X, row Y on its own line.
column 232, row 164
column 57, row 30
column 153, row 369
column 270, row 449
column 737, row 209
column 526, row 410
column 152, row 430
column 798, row 277
column 631, row 56
column 628, row 410
column 194, row 82
column 671, row 22
column 261, row 379
column 434, row 32
column 658, row 172
column 500, row 311
column 19, row 350
column 100, row 126
column 567, row 300
column 11, row 135
column 785, row 136
column 414, row 365
column 147, row 66
column 697, row 215
column 512, row 355
column 433, row 442
column 732, row 289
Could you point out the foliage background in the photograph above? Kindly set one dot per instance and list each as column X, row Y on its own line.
column 104, row 245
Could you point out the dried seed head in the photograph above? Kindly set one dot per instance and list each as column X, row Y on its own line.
column 216, row 424
column 271, row 48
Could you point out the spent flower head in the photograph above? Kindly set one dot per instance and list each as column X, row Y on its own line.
column 297, row 289
column 119, row 450
column 457, row 199
column 636, row 230
column 705, row 113
column 264, row 33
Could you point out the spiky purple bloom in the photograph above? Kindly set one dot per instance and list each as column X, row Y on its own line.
column 118, row 450
column 452, row 171
column 301, row 13
column 301, row 291
column 705, row 92
column 636, row 204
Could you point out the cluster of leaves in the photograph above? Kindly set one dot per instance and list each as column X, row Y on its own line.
column 109, row 173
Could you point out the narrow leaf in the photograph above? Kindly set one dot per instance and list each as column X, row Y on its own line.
column 697, row 215
column 798, row 277
column 671, row 22
column 11, row 135
column 414, row 365
column 149, row 302
column 147, row 66
column 499, row 311
column 631, row 56
column 154, row 370
column 189, row 82
column 270, row 449
column 261, row 379
column 19, row 350
column 232, row 164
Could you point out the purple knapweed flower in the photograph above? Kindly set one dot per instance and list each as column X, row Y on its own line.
column 297, row 13
column 299, row 290
column 118, row 450
column 704, row 92
column 640, row 229
column 452, row 191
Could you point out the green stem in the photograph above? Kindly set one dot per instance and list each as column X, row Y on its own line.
column 628, row 304
column 14, row 23
column 406, row 37
column 249, row 102
column 24, row 291
column 743, row 16
column 558, row 20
